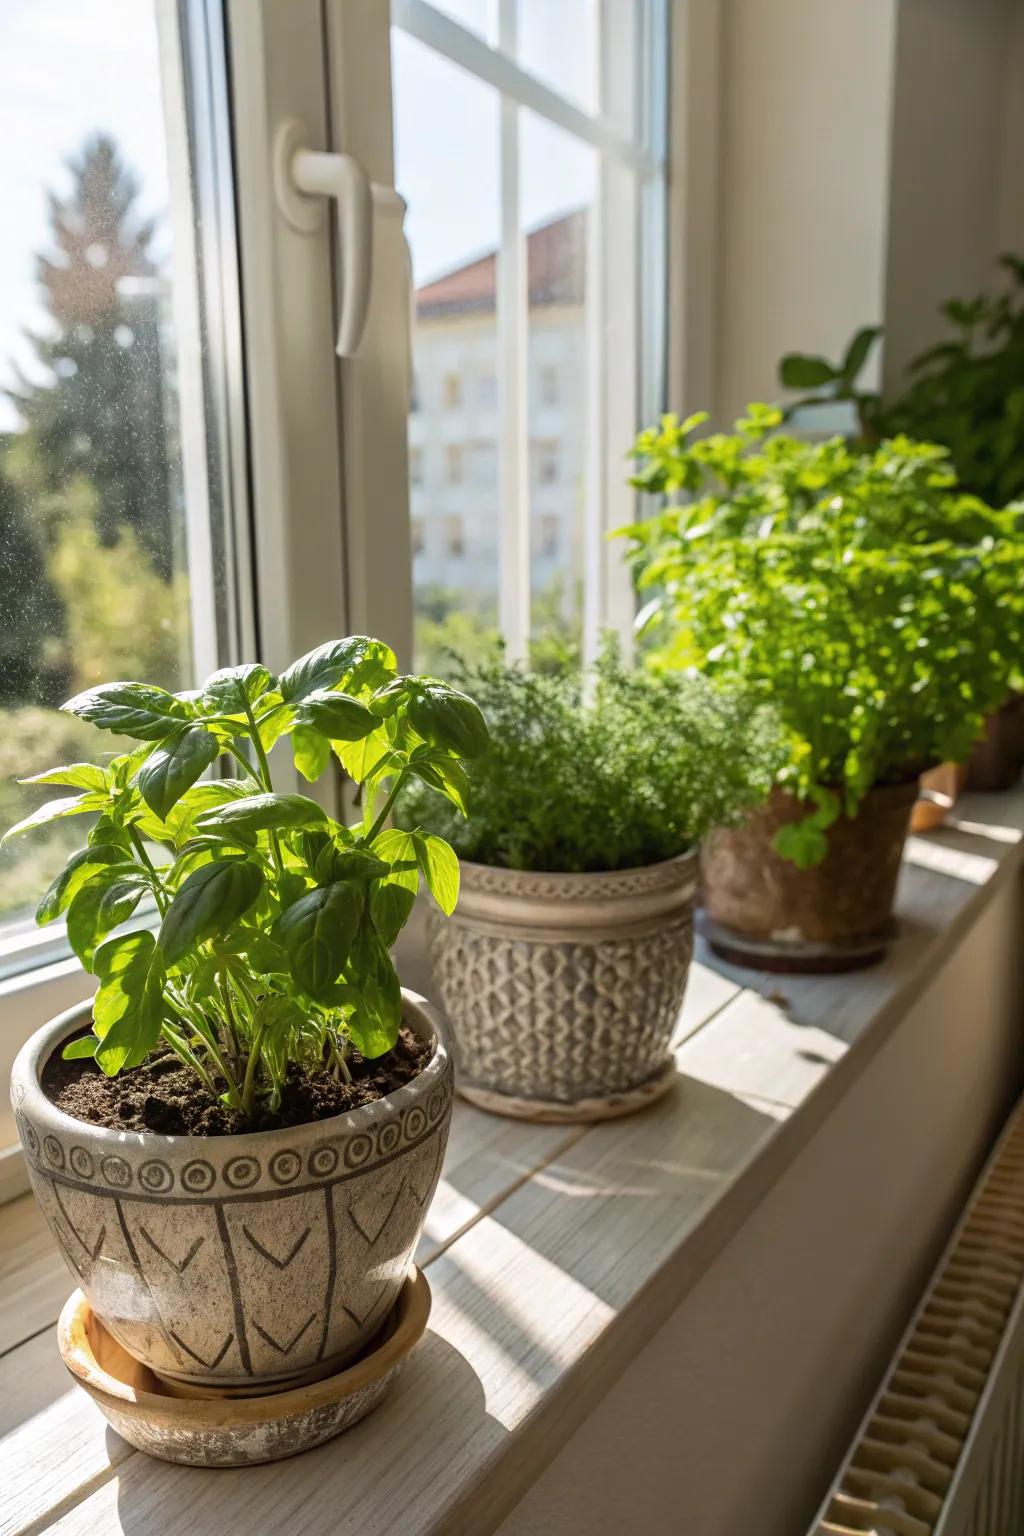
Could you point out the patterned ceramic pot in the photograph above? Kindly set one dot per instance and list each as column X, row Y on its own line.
column 563, row 991
column 241, row 1262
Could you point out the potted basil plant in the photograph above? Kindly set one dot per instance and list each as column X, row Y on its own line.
column 877, row 608
column 562, row 973
column 236, row 1142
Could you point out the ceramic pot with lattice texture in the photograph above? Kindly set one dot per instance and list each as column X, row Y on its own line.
column 245, row 1263
column 563, row 990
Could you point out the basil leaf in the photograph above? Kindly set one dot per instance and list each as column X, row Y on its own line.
column 128, row 1009
column 175, row 766
column 440, row 869
column 444, row 717
column 104, row 902
column 398, row 850
column 334, row 863
column 312, row 752
column 207, row 904
column 390, row 906
column 445, row 774
column 224, row 691
column 260, row 813
column 80, row 1049
column 80, row 868
column 317, row 933
column 358, row 661
column 75, row 776
column 202, row 797
column 361, row 758
column 337, row 716
column 54, row 810
column 374, row 1026
column 131, row 709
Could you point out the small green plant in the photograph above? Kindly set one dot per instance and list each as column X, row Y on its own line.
column 612, row 770
column 275, row 921
column 877, row 608
column 966, row 392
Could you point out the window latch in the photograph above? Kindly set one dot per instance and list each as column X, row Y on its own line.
column 303, row 177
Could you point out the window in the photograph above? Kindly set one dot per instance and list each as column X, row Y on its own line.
column 529, row 264
column 548, row 462
column 415, row 466
column 550, row 392
column 484, row 463
column 453, row 463
column 451, row 391
column 117, row 561
column 548, row 542
column 454, row 536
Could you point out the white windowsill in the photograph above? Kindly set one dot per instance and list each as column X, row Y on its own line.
column 553, row 1254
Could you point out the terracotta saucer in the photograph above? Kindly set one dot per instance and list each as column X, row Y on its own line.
column 235, row 1432
column 611, row 1106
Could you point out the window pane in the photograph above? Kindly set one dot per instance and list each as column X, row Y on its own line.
column 557, row 181
column 92, row 517
column 559, row 44
column 446, row 153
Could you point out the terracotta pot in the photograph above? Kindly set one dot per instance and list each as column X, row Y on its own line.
column 938, row 791
column 256, row 1261
column 764, row 911
column 563, row 990
column 998, row 756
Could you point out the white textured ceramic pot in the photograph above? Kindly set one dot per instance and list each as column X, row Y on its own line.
column 563, row 990
column 241, row 1262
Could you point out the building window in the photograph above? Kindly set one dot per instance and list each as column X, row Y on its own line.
column 451, row 391
column 487, row 392
column 484, row 463
column 418, row 541
column 548, row 462
column 548, row 541
column 550, row 385
column 453, row 464
column 454, row 537
column 415, row 466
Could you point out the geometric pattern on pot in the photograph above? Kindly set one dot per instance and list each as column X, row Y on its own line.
column 243, row 1258
column 559, row 1019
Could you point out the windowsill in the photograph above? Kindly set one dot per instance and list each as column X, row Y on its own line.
column 553, row 1254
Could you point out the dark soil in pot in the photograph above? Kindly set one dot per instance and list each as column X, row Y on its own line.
column 762, row 910
column 169, row 1098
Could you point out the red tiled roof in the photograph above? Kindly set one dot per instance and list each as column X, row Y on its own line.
column 555, row 263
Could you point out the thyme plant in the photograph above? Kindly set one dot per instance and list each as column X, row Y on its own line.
column 875, row 606
column 275, row 920
column 612, row 770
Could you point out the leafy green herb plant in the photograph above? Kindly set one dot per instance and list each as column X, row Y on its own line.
column 613, row 770
column 965, row 392
column 275, row 920
column 876, row 607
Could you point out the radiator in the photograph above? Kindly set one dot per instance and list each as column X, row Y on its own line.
column 940, row 1451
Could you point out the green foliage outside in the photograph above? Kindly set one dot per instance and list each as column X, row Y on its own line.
column 878, row 609
column 451, row 625
column 965, row 392
column 611, row 771
column 276, row 921
column 93, row 581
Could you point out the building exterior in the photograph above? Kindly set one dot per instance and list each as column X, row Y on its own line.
column 454, row 460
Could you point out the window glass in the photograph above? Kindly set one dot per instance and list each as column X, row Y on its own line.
column 93, row 529
column 557, row 40
column 446, row 166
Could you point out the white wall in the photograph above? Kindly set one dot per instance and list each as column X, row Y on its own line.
column 805, row 97
column 946, row 196
column 735, row 1417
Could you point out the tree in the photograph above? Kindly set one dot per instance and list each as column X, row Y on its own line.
column 31, row 614
column 99, row 408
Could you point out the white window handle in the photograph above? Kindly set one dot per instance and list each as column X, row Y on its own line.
column 302, row 178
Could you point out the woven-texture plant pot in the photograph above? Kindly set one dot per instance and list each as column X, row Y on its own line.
column 564, row 989
column 252, row 1262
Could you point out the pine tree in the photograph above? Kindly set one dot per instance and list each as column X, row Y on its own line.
column 99, row 410
column 32, row 666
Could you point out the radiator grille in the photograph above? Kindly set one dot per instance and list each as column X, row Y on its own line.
column 939, row 1452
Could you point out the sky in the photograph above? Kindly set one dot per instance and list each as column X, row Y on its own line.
column 71, row 67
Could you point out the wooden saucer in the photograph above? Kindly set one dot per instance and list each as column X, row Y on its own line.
column 235, row 1432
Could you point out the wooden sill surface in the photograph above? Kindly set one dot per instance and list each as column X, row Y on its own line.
column 553, row 1255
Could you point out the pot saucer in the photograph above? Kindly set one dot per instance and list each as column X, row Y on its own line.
column 235, row 1432
column 611, row 1106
